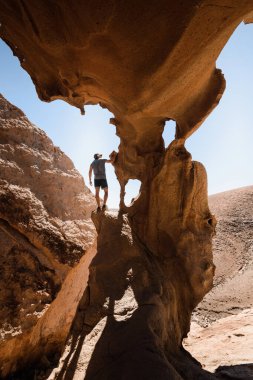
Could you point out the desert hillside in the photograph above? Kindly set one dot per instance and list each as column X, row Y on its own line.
column 233, row 256
column 221, row 335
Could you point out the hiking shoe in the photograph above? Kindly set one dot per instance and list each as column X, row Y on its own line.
column 103, row 207
column 98, row 209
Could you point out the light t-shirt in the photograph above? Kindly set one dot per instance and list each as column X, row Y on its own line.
column 98, row 167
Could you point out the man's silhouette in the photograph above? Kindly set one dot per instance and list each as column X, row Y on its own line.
column 98, row 168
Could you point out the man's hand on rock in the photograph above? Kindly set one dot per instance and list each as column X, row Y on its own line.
column 113, row 156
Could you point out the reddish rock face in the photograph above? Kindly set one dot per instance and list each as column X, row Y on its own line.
column 147, row 62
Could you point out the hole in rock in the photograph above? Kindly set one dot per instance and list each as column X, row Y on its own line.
column 132, row 191
column 79, row 137
column 169, row 132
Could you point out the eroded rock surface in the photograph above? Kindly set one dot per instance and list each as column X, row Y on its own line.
column 227, row 342
column 45, row 226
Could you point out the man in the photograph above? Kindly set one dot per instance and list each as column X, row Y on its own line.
column 98, row 168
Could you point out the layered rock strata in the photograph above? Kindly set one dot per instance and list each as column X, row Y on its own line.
column 45, row 228
column 147, row 62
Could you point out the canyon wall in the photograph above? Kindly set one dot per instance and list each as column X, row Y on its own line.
column 147, row 62
column 45, row 227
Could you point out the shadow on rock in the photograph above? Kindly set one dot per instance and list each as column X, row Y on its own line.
column 235, row 372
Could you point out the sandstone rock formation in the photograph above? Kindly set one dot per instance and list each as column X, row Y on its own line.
column 147, row 62
column 233, row 256
column 45, row 227
column 227, row 343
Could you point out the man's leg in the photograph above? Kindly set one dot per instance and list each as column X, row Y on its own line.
column 97, row 196
column 105, row 196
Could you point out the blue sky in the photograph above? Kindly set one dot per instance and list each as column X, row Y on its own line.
column 223, row 143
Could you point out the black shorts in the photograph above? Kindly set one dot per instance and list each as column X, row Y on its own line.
column 100, row 183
